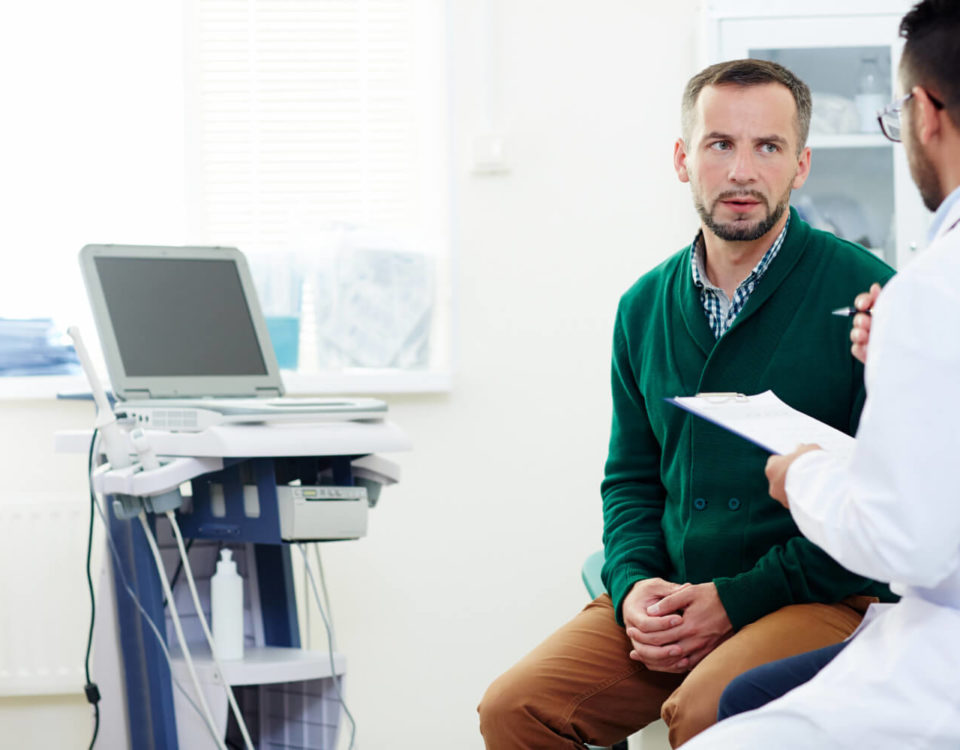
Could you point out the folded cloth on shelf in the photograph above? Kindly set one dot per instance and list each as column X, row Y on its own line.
column 32, row 347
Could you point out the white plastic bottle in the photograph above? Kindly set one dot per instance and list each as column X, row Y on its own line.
column 871, row 96
column 226, row 607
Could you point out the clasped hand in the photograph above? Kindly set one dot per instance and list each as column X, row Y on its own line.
column 672, row 626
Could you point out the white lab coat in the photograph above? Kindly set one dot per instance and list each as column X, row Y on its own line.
column 891, row 512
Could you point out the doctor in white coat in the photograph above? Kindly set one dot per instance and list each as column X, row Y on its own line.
column 892, row 511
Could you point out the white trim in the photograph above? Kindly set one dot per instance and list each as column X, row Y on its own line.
column 352, row 382
column 763, row 9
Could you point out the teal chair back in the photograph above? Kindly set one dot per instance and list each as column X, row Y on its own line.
column 590, row 573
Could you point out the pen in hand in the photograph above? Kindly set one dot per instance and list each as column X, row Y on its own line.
column 860, row 330
column 849, row 311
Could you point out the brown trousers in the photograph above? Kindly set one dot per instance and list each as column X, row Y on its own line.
column 580, row 686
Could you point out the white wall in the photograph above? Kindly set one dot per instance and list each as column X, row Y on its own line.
column 475, row 555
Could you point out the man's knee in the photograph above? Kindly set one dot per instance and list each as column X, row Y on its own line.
column 689, row 710
column 506, row 707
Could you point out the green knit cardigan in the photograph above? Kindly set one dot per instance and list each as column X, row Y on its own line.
column 685, row 500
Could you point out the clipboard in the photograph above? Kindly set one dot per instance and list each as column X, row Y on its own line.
column 764, row 420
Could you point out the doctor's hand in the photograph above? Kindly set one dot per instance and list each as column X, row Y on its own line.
column 703, row 625
column 860, row 333
column 777, row 468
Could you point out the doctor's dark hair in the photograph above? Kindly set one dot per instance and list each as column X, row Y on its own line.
column 747, row 72
column 931, row 55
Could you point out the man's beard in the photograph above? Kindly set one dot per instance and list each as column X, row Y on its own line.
column 923, row 173
column 738, row 231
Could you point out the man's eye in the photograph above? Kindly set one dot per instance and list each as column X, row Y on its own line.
column 769, row 148
column 720, row 145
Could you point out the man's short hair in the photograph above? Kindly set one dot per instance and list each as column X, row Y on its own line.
column 931, row 55
column 747, row 72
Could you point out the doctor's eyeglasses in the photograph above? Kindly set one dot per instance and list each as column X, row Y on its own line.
column 889, row 116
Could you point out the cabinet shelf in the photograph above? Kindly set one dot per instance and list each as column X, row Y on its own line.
column 848, row 140
column 260, row 666
column 287, row 697
column 859, row 183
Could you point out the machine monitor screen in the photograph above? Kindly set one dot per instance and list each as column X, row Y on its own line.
column 180, row 317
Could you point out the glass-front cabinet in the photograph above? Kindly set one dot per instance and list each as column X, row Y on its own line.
column 847, row 52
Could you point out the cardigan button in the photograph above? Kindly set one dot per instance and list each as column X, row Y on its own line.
column 699, row 503
column 733, row 504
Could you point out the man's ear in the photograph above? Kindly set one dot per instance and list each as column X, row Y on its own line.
column 803, row 168
column 927, row 115
column 680, row 160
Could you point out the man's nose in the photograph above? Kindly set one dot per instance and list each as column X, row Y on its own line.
column 743, row 169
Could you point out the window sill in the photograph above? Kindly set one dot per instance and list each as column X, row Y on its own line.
column 41, row 386
column 357, row 382
column 347, row 382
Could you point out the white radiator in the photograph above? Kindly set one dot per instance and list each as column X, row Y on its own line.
column 44, row 600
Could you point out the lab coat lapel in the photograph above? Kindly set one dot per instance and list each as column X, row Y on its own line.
column 952, row 222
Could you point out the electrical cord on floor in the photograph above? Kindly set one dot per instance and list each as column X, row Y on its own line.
column 333, row 669
column 90, row 688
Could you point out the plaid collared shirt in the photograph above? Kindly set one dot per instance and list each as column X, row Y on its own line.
column 720, row 310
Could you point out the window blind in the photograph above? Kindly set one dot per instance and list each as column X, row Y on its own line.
column 305, row 134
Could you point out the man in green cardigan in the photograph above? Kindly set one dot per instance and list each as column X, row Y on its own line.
column 707, row 577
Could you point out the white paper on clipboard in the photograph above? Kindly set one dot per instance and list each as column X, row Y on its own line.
column 765, row 420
